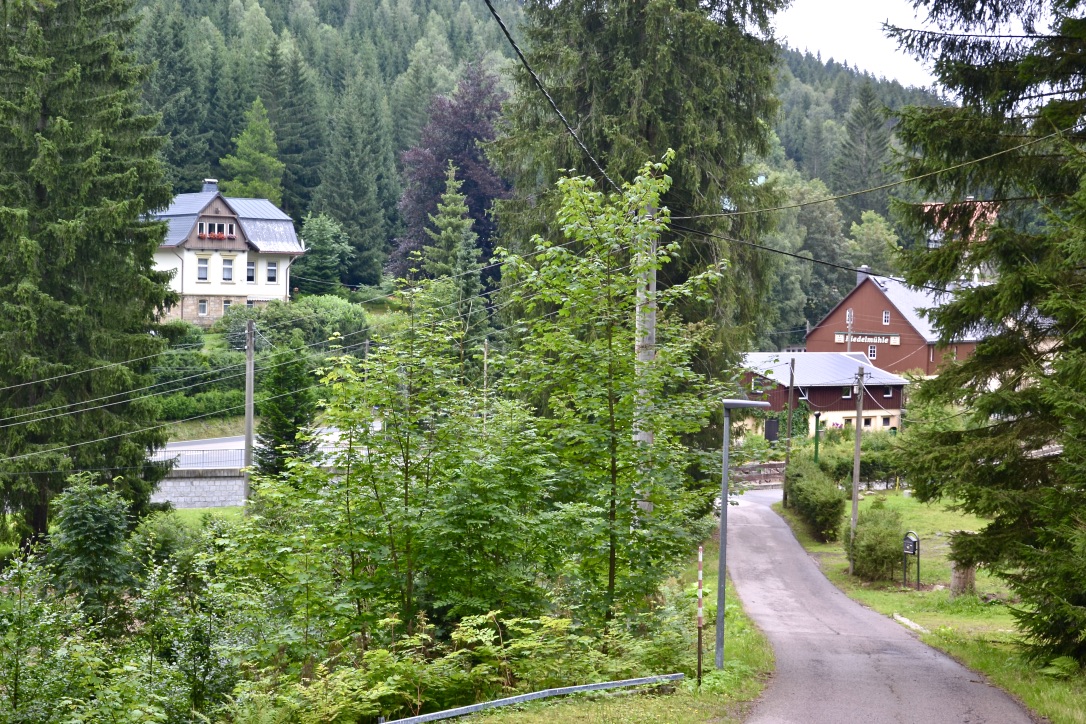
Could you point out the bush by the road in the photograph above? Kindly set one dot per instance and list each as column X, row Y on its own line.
column 876, row 551
column 815, row 497
column 215, row 403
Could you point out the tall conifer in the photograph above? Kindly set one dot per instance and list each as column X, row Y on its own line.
column 254, row 170
column 79, row 174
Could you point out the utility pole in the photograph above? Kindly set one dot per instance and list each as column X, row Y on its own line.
column 645, row 346
column 250, row 348
column 848, row 339
column 856, row 466
column 788, row 442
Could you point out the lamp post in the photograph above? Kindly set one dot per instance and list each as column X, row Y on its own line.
column 817, row 415
column 729, row 405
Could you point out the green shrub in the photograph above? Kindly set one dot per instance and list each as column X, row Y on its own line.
column 876, row 551
column 180, row 333
column 816, row 497
column 214, row 403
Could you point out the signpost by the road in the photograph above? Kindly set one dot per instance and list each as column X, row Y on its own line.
column 910, row 546
column 729, row 405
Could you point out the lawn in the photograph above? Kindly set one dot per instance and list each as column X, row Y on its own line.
column 978, row 631
column 207, row 427
column 193, row 516
column 725, row 697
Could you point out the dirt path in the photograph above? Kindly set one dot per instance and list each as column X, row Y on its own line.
column 837, row 661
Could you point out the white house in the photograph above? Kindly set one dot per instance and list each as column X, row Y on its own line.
column 225, row 251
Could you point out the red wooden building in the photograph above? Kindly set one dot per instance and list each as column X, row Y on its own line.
column 882, row 319
column 826, row 383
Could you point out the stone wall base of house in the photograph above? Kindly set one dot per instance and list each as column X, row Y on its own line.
column 188, row 308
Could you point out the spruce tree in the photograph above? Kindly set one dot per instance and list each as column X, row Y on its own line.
column 254, row 169
column 862, row 161
column 359, row 187
column 288, row 409
column 451, row 230
column 301, row 137
column 1018, row 462
column 327, row 256
column 79, row 177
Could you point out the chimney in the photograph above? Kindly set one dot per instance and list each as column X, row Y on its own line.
column 211, row 184
column 861, row 274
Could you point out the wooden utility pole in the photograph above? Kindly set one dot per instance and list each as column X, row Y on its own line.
column 856, row 466
column 788, row 441
column 250, row 349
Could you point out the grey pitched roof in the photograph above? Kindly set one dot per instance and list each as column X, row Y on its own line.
column 911, row 302
column 265, row 225
column 818, row 369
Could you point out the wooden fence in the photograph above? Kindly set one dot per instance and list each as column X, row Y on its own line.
column 771, row 473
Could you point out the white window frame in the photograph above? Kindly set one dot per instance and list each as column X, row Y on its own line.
column 886, row 317
column 201, row 307
column 872, row 351
column 886, row 421
column 200, row 228
column 250, row 272
column 869, row 422
column 887, row 391
column 228, row 269
column 203, row 267
column 250, row 303
column 226, row 304
column 846, row 392
column 272, row 272
column 231, row 229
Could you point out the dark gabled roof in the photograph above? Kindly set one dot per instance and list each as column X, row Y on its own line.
column 266, row 227
column 818, row 369
column 910, row 302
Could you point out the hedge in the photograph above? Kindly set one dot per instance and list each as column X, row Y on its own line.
column 816, row 497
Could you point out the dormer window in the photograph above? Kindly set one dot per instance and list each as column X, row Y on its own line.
column 200, row 229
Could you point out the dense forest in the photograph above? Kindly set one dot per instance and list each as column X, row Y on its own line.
column 364, row 107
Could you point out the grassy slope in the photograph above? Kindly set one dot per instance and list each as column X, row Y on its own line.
column 980, row 634
column 724, row 697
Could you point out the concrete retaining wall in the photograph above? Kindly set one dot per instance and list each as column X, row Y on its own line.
column 202, row 488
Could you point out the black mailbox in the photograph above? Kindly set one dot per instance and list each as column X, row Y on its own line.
column 910, row 546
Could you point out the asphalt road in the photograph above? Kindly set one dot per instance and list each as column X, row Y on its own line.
column 838, row 662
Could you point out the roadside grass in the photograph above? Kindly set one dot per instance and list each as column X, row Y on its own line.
column 725, row 697
column 206, row 428
column 979, row 631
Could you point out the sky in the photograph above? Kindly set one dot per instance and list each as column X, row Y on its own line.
column 851, row 31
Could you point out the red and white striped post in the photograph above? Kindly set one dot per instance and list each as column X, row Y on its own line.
column 701, row 611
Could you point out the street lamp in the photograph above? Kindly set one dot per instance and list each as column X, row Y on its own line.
column 817, row 415
column 729, row 405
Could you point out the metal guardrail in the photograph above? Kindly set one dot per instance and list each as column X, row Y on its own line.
column 520, row 699
column 189, row 459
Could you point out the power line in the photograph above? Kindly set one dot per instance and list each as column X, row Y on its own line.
column 881, row 187
column 543, row 90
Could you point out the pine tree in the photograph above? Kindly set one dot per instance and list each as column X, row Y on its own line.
column 359, row 187
column 1018, row 462
column 862, row 161
column 176, row 88
column 327, row 256
column 451, row 230
column 641, row 78
column 301, row 137
column 288, row 410
column 254, row 169
column 79, row 176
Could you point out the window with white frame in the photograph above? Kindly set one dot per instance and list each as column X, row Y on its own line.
column 846, row 392
column 250, row 271
column 226, row 305
column 273, row 272
column 200, row 228
column 872, row 350
column 201, row 269
column 202, row 307
column 885, row 421
column 250, row 303
column 887, row 391
column 228, row 270
column 886, row 316
column 867, row 422
column 230, row 229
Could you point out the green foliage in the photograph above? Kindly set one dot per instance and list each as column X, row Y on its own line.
column 1017, row 461
column 288, row 409
column 87, row 552
column 876, row 550
column 79, row 175
column 815, row 496
column 874, row 243
column 327, row 257
column 451, row 230
column 213, row 403
column 324, row 321
column 864, row 156
column 254, row 170
column 179, row 333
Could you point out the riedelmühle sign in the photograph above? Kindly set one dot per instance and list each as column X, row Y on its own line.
column 893, row 340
